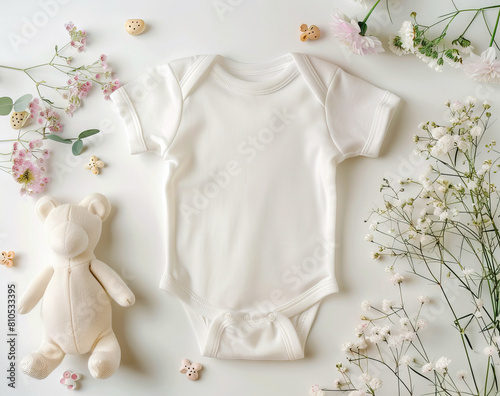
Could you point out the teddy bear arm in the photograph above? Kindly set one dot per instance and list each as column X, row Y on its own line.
column 112, row 283
column 35, row 291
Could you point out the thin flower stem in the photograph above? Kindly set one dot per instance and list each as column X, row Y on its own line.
column 12, row 68
column 495, row 29
column 389, row 368
column 470, row 23
column 370, row 12
column 471, row 9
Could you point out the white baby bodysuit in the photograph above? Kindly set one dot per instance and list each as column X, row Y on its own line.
column 250, row 152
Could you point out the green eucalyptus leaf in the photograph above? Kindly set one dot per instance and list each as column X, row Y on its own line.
column 59, row 139
column 23, row 102
column 87, row 133
column 5, row 105
column 77, row 147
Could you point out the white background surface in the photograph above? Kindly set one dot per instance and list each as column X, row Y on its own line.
column 155, row 334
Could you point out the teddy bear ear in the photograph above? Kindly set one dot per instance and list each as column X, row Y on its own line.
column 45, row 205
column 97, row 204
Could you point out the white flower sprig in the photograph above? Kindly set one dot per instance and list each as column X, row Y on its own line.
column 439, row 227
column 432, row 43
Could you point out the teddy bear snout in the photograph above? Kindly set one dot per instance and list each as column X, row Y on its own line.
column 69, row 239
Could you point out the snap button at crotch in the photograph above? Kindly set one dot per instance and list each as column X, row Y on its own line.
column 217, row 326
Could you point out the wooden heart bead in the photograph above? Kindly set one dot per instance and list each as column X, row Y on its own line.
column 309, row 33
column 18, row 119
column 135, row 26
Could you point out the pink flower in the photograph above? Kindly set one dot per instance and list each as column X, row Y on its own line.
column 109, row 88
column 102, row 61
column 77, row 90
column 31, row 175
column 484, row 67
column 78, row 37
column 52, row 120
column 349, row 34
column 34, row 108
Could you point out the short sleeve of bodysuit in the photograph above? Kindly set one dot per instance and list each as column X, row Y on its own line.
column 358, row 114
column 150, row 107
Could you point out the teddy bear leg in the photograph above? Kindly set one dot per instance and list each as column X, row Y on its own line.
column 41, row 363
column 105, row 357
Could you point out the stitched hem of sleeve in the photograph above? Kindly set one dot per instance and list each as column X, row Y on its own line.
column 383, row 116
column 131, row 121
column 325, row 107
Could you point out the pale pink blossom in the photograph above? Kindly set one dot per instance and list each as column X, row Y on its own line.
column 405, row 360
column 484, row 67
column 316, row 391
column 51, row 119
column 77, row 90
column 442, row 363
column 422, row 324
column 490, row 350
column 109, row 88
column 34, row 108
column 78, row 37
column 396, row 279
column 27, row 170
column 349, row 34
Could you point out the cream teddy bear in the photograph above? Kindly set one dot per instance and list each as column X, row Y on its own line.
column 76, row 309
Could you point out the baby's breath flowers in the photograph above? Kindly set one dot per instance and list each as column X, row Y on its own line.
column 438, row 228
